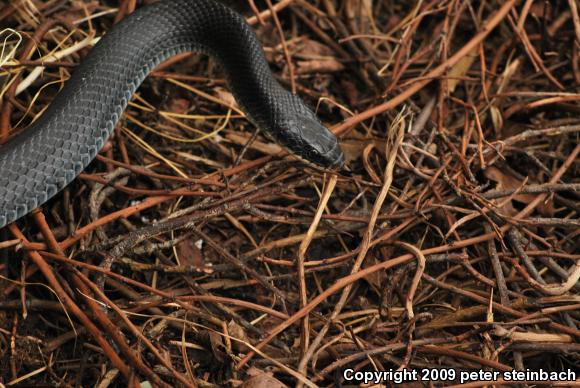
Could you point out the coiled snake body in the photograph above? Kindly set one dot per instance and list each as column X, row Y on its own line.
column 46, row 157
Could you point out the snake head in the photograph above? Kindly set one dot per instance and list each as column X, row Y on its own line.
column 313, row 142
column 301, row 133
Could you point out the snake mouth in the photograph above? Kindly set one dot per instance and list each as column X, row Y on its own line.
column 336, row 157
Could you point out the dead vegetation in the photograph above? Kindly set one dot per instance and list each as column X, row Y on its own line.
column 195, row 252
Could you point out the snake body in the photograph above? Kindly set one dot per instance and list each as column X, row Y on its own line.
column 47, row 156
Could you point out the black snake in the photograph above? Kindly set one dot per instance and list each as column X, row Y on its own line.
column 42, row 160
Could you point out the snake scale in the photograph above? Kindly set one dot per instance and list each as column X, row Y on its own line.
column 40, row 161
